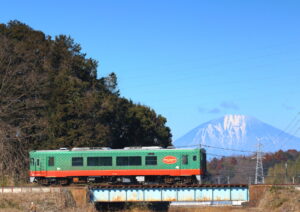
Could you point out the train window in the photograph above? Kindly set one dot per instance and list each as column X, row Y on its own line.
column 77, row 161
column 32, row 161
column 51, row 161
column 129, row 161
column 38, row 162
column 135, row 161
column 185, row 159
column 122, row 161
column 194, row 158
column 151, row 160
column 99, row 161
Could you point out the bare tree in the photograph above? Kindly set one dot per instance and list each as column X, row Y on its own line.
column 20, row 122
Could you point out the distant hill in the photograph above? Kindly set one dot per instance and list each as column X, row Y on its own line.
column 238, row 132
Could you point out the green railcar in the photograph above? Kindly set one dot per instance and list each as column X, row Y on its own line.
column 116, row 165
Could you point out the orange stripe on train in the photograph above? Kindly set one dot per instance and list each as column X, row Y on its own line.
column 69, row 173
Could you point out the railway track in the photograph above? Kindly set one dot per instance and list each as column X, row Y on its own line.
column 171, row 186
column 91, row 186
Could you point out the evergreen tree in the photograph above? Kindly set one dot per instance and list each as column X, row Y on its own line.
column 51, row 97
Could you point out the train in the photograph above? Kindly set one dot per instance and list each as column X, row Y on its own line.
column 129, row 165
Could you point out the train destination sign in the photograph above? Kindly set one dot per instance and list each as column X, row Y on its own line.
column 169, row 159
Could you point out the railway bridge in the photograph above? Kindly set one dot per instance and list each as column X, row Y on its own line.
column 229, row 194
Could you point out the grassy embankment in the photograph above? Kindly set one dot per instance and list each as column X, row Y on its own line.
column 275, row 199
column 46, row 202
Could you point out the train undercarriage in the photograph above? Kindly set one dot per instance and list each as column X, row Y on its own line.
column 117, row 180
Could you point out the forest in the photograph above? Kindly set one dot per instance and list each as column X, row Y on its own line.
column 281, row 167
column 52, row 96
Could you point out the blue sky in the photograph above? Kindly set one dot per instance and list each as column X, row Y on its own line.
column 191, row 61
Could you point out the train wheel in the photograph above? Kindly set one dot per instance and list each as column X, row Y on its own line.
column 43, row 181
column 63, row 181
column 169, row 180
column 187, row 180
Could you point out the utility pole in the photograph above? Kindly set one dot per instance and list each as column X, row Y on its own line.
column 259, row 171
column 219, row 180
column 286, row 165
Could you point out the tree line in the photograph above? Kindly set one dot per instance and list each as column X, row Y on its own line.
column 279, row 168
column 52, row 97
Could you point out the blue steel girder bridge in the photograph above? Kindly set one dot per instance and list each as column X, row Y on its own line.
column 169, row 193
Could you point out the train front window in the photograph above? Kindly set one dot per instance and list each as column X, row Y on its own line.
column 129, row 161
column 77, row 161
column 99, row 161
column 32, row 161
column 51, row 161
column 151, row 160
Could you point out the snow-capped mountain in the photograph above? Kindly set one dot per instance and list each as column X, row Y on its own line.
column 238, row 132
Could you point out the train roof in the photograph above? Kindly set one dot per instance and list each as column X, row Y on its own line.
column 92, row 149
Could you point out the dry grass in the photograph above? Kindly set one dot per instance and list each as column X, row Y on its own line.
column 46, row 202
column 275, row 199
column 211, row 209
column 279, row 199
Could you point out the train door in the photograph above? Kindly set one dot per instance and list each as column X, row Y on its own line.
column 48, row 162
column 42, row 164
column 39, row 164
column 184, row 164
column 34, row 164
column 203, row 161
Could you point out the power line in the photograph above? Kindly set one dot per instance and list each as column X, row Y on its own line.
column 292, row 122
column 229, row 149
column 296, row 128
column 216, row 155
column 288, row 126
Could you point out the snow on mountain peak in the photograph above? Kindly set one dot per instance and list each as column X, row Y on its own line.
column 239, row 132
column 234, row 121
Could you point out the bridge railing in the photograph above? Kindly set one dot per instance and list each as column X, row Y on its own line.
column 165, row 194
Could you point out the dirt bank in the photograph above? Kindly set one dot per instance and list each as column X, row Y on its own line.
column 271, row 198
column 46, row 202
column 264, row 199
